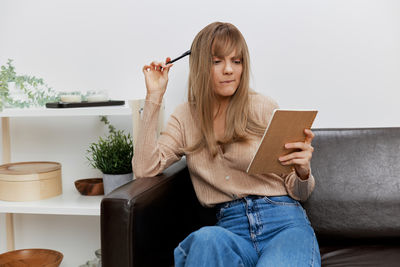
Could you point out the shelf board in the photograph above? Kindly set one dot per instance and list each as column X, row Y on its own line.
column 56, row 112
column 68, row 203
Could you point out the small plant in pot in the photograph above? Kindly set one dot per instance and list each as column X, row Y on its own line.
column 113, row 157
column 23, row 91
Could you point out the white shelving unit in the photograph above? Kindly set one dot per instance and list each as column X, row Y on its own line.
column 57, row 112
column 70, row 202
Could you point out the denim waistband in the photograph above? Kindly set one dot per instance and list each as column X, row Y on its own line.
column 236, row 201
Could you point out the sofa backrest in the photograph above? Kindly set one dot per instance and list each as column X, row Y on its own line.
column 357, row 191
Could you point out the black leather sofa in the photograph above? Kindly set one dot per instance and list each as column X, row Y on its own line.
column 354, row 209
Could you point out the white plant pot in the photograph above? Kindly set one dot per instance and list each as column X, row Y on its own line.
column 16, row 94
column 113, row 181
column 12, row 87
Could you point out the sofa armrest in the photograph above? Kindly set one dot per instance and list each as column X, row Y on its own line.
column 143, row 221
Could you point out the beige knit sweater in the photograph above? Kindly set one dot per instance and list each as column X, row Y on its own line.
column 218, row 179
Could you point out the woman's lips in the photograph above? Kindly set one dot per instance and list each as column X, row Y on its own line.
column 228, row 81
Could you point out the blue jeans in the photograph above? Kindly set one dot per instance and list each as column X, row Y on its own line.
column 253, row 231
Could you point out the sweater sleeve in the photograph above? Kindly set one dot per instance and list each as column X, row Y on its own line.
column 297, row 188
column 153, row 155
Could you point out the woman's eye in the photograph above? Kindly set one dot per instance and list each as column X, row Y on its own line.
column 216, row 61
column 237, row 61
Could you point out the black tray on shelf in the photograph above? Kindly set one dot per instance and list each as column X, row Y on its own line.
column 85, row 104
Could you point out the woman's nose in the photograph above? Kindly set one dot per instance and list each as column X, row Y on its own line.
column 228, row 68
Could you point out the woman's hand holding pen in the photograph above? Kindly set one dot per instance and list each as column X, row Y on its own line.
column 156, row 77
column 300, row 159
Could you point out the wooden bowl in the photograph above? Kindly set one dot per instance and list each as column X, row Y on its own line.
column 31, row 257
column 90, row 187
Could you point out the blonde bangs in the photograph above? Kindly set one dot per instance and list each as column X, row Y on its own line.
column 225, row 42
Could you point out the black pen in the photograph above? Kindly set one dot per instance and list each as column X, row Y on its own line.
column 175, row 59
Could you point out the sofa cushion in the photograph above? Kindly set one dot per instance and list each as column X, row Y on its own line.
column 357, row 192
column 376, row 256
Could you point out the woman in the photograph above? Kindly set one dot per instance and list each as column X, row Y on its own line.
column 260, row 221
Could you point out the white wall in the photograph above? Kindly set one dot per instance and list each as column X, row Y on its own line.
column 339, row 56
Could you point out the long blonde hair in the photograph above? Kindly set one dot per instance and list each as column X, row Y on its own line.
column 219, row 39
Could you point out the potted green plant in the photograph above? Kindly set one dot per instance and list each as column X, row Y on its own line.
column 112, row 155
column 23, row 91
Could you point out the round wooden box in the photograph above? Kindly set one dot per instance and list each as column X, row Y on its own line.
column 27, row 181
